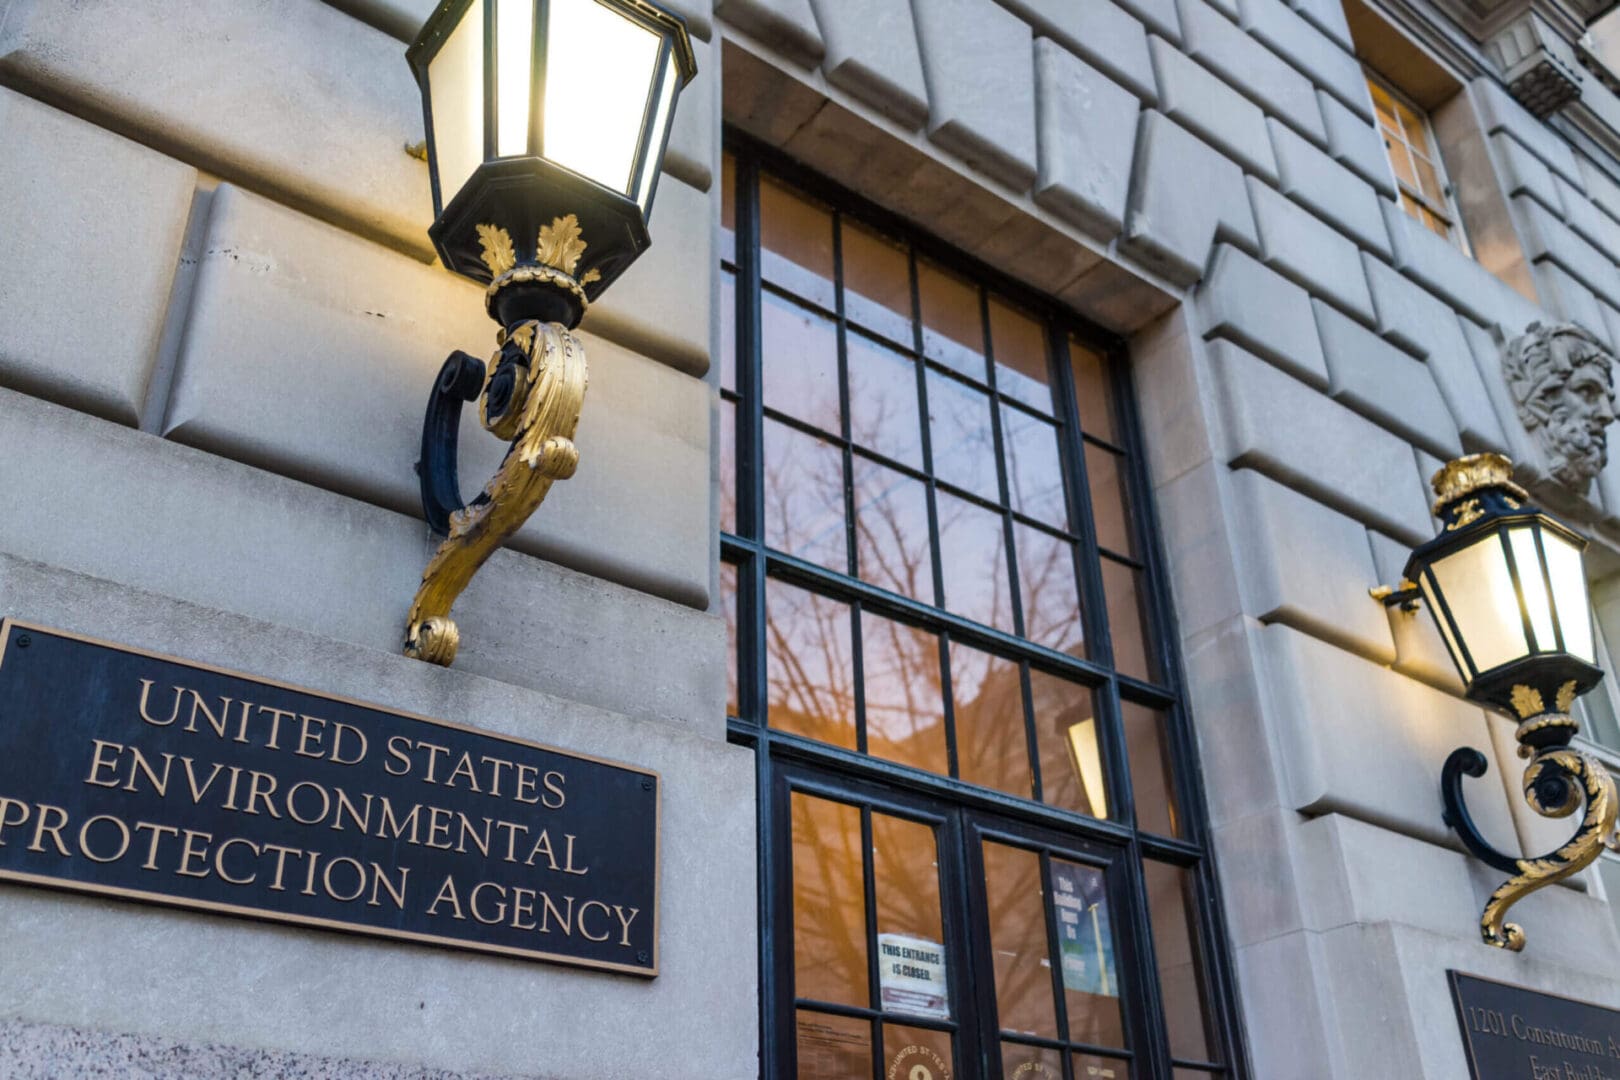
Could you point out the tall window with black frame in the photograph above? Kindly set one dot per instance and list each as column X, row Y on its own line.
column 982, row 849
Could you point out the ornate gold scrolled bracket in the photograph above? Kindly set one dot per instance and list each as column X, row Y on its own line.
column 1557, row 781
column 532, row 394
column 1550, row 787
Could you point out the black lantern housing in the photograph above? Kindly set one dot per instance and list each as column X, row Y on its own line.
column 537, row 111
column 1506, row 585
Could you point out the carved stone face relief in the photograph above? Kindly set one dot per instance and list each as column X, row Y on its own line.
column 1562, row 381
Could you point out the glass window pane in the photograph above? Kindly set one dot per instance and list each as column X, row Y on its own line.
column 1128, row 620
column 728, row 208
column 669, row 79
column 1019, row 1062
column 1093, row 393
column 905, row 701
column 728, row 466
column 1110, row 508
column 1018, row 940
column 1382, row 103
column 1564, row 568
column 796, row 242
column 809, row 665
column 877, row 282
column 883, row 414
column 829, row 902
column 952, row 330
column 916, row 1053
column 1412, row 125
column 597, row 134
column 514, row 75
column 1402, row 162
column 991, row 742
column 1171, row 907
column 1034, row 467
column 973, row 559
column 892, row 547
column 1429, row 181
column 963, row 441
column 1533, row 587
column 728, row 607
column 833, row 1047
column 1086, row 954
column 913, row 975
column 1046, row 584
column 1092, row 1067
column 799, row 352
column 804, row 496
column 1476, row 586
column 728, row 330
column 1435, row 223
column 1153, row 789
column 1019, row 343
column 456, row 96
column 1069, row 744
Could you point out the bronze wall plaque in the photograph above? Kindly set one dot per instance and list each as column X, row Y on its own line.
column 129, row 774
column 1510, row 1033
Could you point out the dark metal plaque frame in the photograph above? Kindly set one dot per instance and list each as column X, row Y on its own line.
column 1491, row 1013
column 636, row 857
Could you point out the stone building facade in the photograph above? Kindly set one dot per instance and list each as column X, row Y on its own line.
column 220, row 315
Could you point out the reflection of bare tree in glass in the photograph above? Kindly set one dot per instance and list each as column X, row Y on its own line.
column 1018, row 940
column 829, row 907
column 811, row 684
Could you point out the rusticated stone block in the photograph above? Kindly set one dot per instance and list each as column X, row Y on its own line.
column 980, row 64
column 94, row 217
column 1164, row 228
column 1087, row 131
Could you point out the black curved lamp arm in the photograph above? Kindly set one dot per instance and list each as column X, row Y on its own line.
column 460, row 380
column 1466, row 761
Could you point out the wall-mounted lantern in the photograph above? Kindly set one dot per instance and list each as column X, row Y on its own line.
column 1505, row 584
column 546, row 122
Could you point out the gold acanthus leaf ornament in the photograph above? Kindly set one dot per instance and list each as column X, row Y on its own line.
column 1566, row 696
column 497, row 244
column 560, row 245
column 1527, row 702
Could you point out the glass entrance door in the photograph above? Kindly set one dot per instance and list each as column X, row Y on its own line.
column 931, row 942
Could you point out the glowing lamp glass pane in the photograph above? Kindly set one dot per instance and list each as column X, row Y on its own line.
column 599, row 73
column 456, row 96
column 1445, row 628
column 1568, row 576
column 661, row 118
column 1537, row 603
column 1478, row 589
column 514, row 66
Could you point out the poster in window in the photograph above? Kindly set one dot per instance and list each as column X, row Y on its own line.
column 1086, row 941
column 911, row 976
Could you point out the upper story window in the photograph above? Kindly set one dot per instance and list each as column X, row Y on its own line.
column 1414, row 159
column 982, row 851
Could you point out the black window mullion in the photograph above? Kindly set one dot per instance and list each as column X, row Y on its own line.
column 1093, row 603
column 1093, row 600
column 1054, row 957
column 1015, row 597
column 778, row 1046
column 874, row 977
